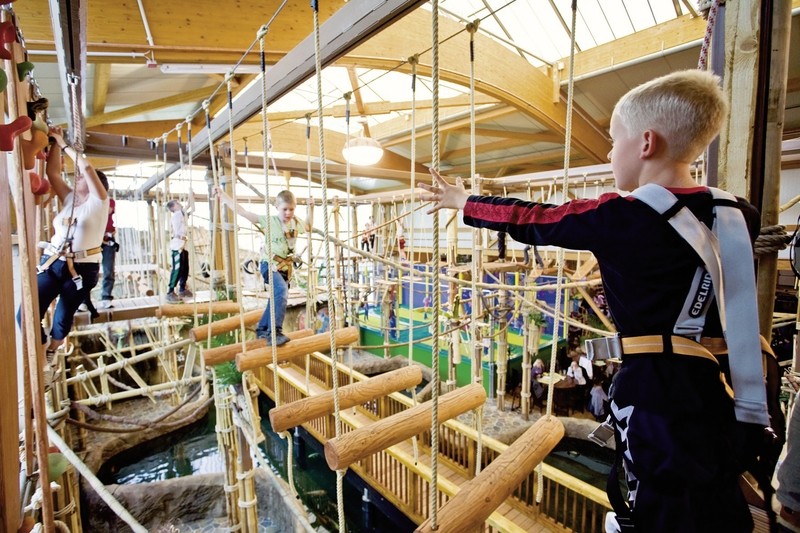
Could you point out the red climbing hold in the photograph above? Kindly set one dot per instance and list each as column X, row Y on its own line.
column 9, row 131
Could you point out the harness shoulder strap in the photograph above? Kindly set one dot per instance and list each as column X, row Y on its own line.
column 734, row 285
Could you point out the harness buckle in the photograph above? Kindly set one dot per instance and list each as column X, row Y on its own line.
column 603, row 433
column 603, row 348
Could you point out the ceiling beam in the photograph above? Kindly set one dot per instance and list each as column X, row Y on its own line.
column 355, row 83
column 68, row 20
column 291, row 137
column 543, row 136
column 102, row 77
column 661, row 39
column 153, row 105
column 381, row 108
column 499, row 73
column 355, row 22
column 457, row 122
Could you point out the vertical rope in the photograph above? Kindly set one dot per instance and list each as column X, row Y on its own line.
column 702, row 62
column 327, row 245
column 560, row 253
column 242, row 327
column 437, row 298
column 477, row 351
column 413, row 61
column 311, row 296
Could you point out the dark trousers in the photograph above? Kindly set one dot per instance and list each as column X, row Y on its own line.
column 681, row 445
column 109, row 259
column 57, row 282
column 180, row 270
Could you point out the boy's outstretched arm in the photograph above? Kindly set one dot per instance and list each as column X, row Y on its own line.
column 227, row 200
column 444, row 195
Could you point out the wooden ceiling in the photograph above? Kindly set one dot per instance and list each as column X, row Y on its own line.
column 520, row 122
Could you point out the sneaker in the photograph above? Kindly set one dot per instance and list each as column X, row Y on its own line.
column 83, row 307
column 281, row 339
column 50, row 370
column 185, row 293
column 173, row 298
column 105, row 304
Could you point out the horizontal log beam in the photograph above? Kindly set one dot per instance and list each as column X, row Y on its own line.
column 293, row 414
column 222, row 354
column 364, row 441
column 321, row 342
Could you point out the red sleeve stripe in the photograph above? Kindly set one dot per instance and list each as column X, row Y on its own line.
column 525, row 214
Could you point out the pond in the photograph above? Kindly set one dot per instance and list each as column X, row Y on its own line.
column 194, row 451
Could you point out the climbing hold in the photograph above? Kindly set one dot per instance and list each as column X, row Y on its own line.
column 3, row 80
column 8, row 34
column 31, row 148
column 23, row 69
column 39, row 186
column 9, row 131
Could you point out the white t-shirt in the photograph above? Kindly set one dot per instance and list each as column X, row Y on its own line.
column 178, row 241
column 577, row 375
column 586, row 365
column 90, row 225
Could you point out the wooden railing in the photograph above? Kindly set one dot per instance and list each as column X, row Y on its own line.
column 567, row 503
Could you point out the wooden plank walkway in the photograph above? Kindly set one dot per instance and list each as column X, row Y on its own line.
column 505, row 514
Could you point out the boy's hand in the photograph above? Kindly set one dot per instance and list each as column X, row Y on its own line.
column 444, row 195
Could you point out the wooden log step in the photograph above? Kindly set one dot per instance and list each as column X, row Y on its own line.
column 320, row 342
column 221, row 306
column 221, row 354
column 200, row 333
column 293, row 414
column 364, row 441
column 479, row 497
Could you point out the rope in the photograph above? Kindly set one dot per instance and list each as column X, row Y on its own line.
column 235, row 208
column 437, row 298
column 477, row 350
column 712, row 19
column 560, row 253
column 413, row 61
column 327, row 245
column 771, row 240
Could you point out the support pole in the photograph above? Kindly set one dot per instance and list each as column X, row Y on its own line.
column 362, row 442
column 296, row 413
column 770, row 194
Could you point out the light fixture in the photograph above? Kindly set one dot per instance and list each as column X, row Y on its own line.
column 207, row 68
column 362, row 151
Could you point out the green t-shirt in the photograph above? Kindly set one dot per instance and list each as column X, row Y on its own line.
column 284, row 237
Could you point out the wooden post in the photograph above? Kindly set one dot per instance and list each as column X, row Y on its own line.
column 9, row 415
column 26, row 225
column 220, row 354
column 502, row 348
column 263, row 356
column 770, row 203
column 293, row 414
column 364, row 441
column 739, row 82
column 525, row 389
column 480, row 496
column 200, row 333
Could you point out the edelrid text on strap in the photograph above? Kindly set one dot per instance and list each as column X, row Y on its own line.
column 727, row 255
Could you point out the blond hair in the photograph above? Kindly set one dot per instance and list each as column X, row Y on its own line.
column 687, row 108
column 285, row 197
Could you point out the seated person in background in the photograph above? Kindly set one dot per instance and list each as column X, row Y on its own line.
column 537, row 369
column 576, row 372
column 585, row 364
column 597, row 401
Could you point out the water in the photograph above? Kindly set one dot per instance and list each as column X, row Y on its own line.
column 194, row 451
column 582, row 459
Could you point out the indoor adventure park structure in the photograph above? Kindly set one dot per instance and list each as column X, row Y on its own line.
column 412, row 337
